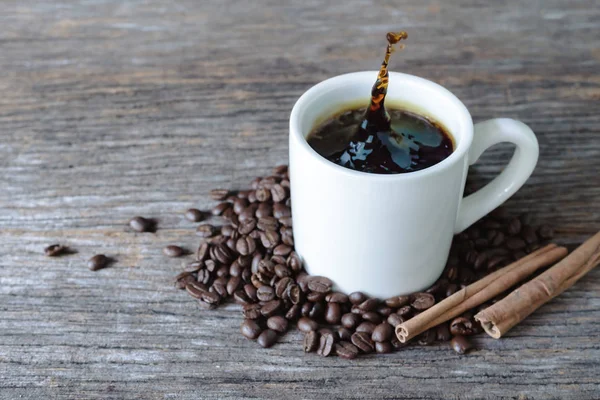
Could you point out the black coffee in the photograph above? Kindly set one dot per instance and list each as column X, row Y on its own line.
column 381, row 142
column 413, row 142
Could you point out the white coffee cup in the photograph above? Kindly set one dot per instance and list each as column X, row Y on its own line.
column 387, row 235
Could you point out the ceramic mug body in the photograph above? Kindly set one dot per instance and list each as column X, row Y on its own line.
column 391, row 234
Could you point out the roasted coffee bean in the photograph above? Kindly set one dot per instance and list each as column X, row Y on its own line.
column 480, row 260
column 231, row 244
column 282, row 250
column 320, row 284
column 496, row 261
column 350, row 320
column 98, row 261
column 282, row 271
column 267, row 224
column 195, row 289
column 173, row 251
column 394, row 320
column 422, row 301
column 546, row 232
column 194, row 266
column 194, row 215
column 245, row 245
column 343, row 333
column 346, row 350
column 221, row 253
column 211, row 297
column 247, row 226
column 281, row 287
column 528, row 234
column 294, row 262
column 515, row 243
column 286, row 221
column 278, row 260
column 498, row 239
column 451, row 273
column 227, row 230
column 264, row 210
column 397, row 301
column 210, row 265
column 202, row 252
column 54, row 250
column 315, row 296
column 311, row 341
column 267, row 338
column 286, row 184
column 219, row 194
column 442, row 332
column 294, row 294
column 437, row 286
column 326, row 343
column 368, row 305
column 183, row 279
column 372, row 316
column 269, row 239
column 219, row 287
column 281, row 211
column 251, row 311
column 306, row 308
column 362, row 340
column 466, row 275
column 239, row 205
column 287, row 239
column 514, row 226
column 288, row 204
column 280, row 170
column 220, row 208
column 141, row 224
column 263, row 194
column 383, row 347
column 278, row 193
column 306, row 324
column 367, row 327
column 451, row 289
column 265, row 293
column 317, row 311
column 271, row 308
column 277, row 323
column 462, row 326
column 233, row 284
column 460, row 344
column 205, row 230
column 240, row 297
column 293, row 312
column 404, row 311
column 333, row 313
column 382, row 332
column 336, row 297
column 203, row 276
column 428, row 337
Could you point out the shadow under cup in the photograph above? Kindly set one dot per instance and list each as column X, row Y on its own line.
column 384, row 235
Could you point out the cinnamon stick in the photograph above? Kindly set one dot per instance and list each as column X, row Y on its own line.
column 508, row 312
column 479, row 292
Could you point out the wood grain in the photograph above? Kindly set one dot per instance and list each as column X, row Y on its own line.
column 112, row 109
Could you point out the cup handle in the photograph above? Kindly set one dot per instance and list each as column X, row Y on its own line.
column 518, row 170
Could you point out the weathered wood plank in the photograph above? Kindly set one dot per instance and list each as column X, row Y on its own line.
column 111, row 109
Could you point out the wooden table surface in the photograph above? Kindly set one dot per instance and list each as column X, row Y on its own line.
column 111, row 109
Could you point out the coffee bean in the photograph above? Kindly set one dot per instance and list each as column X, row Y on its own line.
column 443, row 332
column 247, row 226
column 204, row 276
column 368, row 305
column 336, row 297
column 460, row 344
column 240, row 297
column 404, row 311
column 306, row 324
column 422, row 301
column 280, row 170
column 333, row 313
column 265, row 293
column 251, row 311
column 233, row 284
column 319, row 284
column 480, row 260
column 315, row 297
column 350, row 320
column 277, row 323
column 219, row 287
column 267, row 338
column 281, row 211
column 183, row 279
column 367, row 327
column 528, row 234
column 466, row 275
column 496, row 261
column 397, row 301
column 205, row 230
column 294, row 294
column 515, row 243
column 461, row 326
column 514, row 226
column 311, row 341
column 326, row 342
column 245, row 245
column 384, row 311
column 194, row 215
column 219, row 194
column 267, row 223
column 98, row 261
column 173, row 251
column 382, row 332
column 286, row 221
column 282, row 250
column 194, row 266
column 141, row 224
column 294, row 262
column 427, row 337
column 227, row 230
column 271, row 308
column 372, row 316
column 343, row 333
column 362, row 340
column 293, row 312
column 346, row 350
column 317, row 311
column 383, row 347
column 220, row 208
column 498, row 239
column 282, row 271
column 546, row 232
column 54, row 250
column 394, row 320
column 269, row 239
column 278, row 193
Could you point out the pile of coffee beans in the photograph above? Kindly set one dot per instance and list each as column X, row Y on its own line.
column 250, row 258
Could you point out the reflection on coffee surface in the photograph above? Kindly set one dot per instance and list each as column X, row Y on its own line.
column 374, row 140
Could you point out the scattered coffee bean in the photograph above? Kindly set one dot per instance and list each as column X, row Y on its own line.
column 194, row 215
column 514, row 226
column 173, row 251
column 250, row 329
column 383, row 347
column 320, row 284
column 55, row 250
column 346, row 350
column 98, row 261
column 277, row 323
column 462, row 326
column 546, row 232
column 397, row 301
column 267, row 338
column 443, row 332
column 311, row 341
column 306, row 324
column 220, row 208
column 366, row 327
column 382, row 332
column 422, row 301
column 333, row 313
column 205, row 230
column 428, row 337
column 363, row 341
column 141, row 224
column 460, row 344
column 326, row 343
column 219, row 194
column 394, row 320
